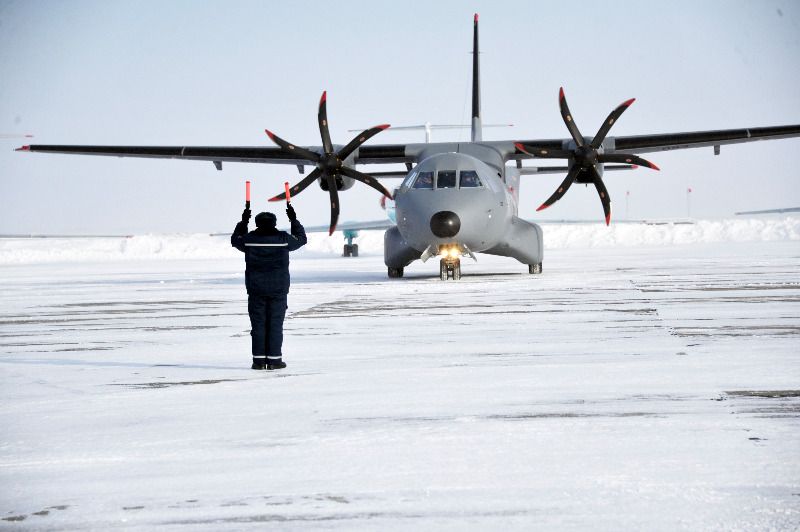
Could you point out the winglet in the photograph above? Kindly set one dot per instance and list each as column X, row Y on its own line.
column 476, row 18
column 324, row 97
column 23, row 148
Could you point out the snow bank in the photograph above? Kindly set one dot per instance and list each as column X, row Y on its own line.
column 556, row 236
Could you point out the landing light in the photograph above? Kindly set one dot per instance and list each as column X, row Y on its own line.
column 452, row 252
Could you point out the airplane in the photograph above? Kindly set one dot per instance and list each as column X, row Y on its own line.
column 456, row 198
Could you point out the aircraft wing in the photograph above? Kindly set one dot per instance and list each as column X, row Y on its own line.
column 218, row 154
column 674, row 141
column 408, row 153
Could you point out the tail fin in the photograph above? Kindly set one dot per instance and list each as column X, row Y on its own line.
column 476, row 86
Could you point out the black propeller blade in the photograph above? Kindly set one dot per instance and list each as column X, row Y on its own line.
column 585, row 157
column 330, row 164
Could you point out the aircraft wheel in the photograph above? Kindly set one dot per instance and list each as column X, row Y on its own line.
column 457, row 271
column 535, row 268
column 395, row 273
column 443, row 275
column 348, row 250
column 354, row 250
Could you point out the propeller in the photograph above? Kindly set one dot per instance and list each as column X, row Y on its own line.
column 585, row 156
column 330, row 163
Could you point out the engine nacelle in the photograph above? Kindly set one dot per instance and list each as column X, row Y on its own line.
column 585, row 177
column 342, row 183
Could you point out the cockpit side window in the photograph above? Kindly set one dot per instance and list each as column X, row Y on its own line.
column 469, row 179
column 409, row 179
column 424, row 181
column 446, row 179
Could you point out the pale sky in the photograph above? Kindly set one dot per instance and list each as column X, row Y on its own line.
column 218, row 73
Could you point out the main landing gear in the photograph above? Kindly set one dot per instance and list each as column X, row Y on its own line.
column 350, row 249
column 535, row 268
column 450, row 267
column 395, row 273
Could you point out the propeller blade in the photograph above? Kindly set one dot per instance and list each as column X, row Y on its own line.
column 366, row 179
column 299, row 187
column 604, row 197
column 543, row 153
column 567, row 116
column 291, row 148
column 359, row 140
column 562, row 189
column 625, row 158
column 322, row 117
column 612, row 117
column 334, row 194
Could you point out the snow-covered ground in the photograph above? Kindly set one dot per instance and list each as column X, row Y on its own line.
column 648, row 380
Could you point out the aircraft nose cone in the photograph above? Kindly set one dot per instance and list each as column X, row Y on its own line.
column 445, row 224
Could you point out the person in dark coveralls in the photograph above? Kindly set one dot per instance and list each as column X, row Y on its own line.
column 266, row 254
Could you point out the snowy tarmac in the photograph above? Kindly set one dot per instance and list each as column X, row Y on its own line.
column 639, row 387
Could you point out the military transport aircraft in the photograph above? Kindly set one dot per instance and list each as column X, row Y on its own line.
column 456, row 199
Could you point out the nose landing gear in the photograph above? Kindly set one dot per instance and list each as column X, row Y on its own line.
column 450, row 267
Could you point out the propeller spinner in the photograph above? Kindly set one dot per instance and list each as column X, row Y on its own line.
column 585, row 156
column 330, row 164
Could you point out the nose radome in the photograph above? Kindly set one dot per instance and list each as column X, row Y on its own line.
column 445, row 224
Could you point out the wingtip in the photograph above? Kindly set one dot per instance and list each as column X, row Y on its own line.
column 654, row 167
column 520, row 147
column 628, row 103
column 561, row 93
column 542, row 207
column 279, row 197
column 324, row 97
column 608, row 219
column 23, row 148
column 384, row 126
column 332, row 230
column 476, row 18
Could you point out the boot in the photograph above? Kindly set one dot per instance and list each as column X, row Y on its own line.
column 276, row 364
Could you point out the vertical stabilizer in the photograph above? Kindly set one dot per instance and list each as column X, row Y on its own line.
column 476, row 86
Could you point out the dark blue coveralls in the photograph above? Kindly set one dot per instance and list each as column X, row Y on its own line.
column 266, row 253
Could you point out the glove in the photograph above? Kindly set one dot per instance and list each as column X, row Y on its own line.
column 246, row 216
column 290, row 213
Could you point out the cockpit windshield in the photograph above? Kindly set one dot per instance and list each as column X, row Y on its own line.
column 469, row 179
column 446, row 179
column 424, row 181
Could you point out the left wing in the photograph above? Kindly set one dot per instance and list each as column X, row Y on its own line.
column 671, row 141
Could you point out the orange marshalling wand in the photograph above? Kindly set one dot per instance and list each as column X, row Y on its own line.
column 247, row 194
column 288, row 195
